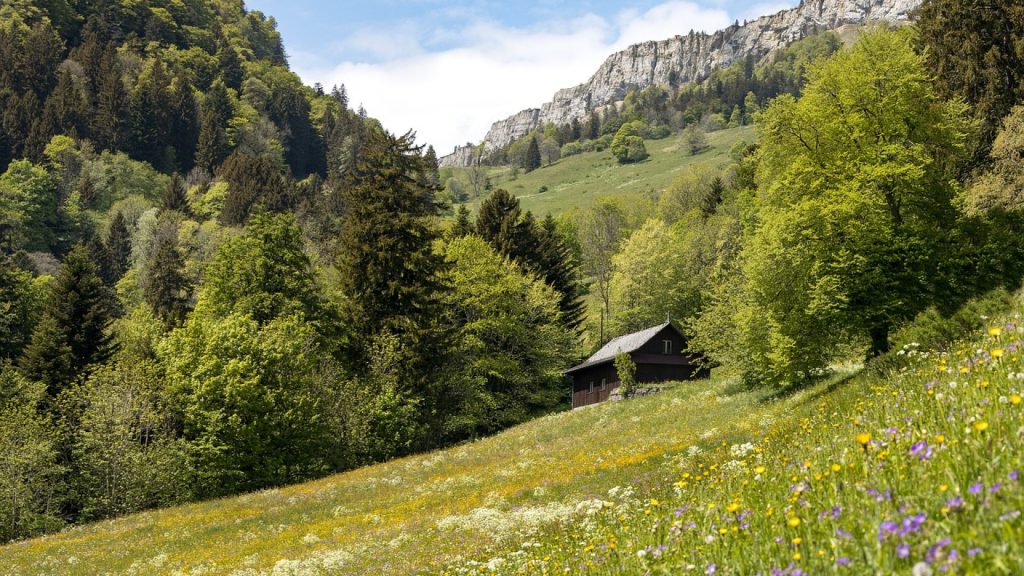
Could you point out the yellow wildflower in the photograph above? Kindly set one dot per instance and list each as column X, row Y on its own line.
column 863, row 438
column 761, row 469
column 793, row 522
column 1015, row 399
column 995, row 331
column 981, row 426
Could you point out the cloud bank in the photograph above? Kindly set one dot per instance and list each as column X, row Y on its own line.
column 485, row 71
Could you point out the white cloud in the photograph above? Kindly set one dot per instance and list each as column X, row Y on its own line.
column 452, row 96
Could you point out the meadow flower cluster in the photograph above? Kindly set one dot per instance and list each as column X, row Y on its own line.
column 915, row 473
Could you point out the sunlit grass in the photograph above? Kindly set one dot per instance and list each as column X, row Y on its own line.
column 579, row 181
column 419, row 512
column 914, row 473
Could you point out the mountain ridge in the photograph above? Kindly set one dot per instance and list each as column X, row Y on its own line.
column 684, row 59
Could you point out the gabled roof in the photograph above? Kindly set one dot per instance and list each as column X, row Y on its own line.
column 628, row 343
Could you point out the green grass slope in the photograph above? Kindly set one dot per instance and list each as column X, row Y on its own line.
column 579, row 180
column 859, row 474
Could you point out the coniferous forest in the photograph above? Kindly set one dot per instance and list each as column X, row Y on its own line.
column 215, row 279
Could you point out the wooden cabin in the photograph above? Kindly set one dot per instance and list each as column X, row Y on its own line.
column 659, row 355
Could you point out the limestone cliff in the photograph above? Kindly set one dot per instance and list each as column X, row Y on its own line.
column 683, row 59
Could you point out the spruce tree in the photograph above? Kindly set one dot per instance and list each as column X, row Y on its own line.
column 532, row 155
column 389, row 269
column 119, row 247
column 229, row 64
column 87, row 191
column 975, row 50
column 165, row 287
column 463, row 225
column 72, row 333
column 559, row 267
column 174, row 196
column 711, row 200
column 500, row 221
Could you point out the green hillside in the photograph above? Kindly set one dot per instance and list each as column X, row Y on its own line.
column 857, row 472
column 578, row 181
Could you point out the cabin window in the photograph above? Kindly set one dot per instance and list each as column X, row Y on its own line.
column 667, row 346
column 603, row 383
column 591, row 386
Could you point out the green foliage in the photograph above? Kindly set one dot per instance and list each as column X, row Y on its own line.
column 245, row 390
column 694, row 139
column 264, row 274
column 509, row 338
column 854, row 200
column 628, row 144
column 1002, row 186
column 625, row 369
column 31, row 487
column 125, row 452
column 387, row 265
column 931, row 330
column 28, row 196
column 18, row 312
column 975, row 51
column 649, row 280
column 165, row 288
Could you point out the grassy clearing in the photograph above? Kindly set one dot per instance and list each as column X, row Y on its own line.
column 423, row 512
column 578, row 181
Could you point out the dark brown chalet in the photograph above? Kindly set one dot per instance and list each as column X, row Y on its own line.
column 659, row 356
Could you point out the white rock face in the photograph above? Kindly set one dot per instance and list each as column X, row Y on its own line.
column 684, row 59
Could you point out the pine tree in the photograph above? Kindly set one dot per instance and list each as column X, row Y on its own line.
column 532, row 155
column 165, row 287
column 119, row 247
column 72, row 333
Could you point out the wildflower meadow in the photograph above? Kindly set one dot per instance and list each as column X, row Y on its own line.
column 910, row 470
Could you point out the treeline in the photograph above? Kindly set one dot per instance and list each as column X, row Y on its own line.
column 877, row 195
column 241, row 282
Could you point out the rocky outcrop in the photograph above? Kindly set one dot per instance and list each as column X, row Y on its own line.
column 683, row 59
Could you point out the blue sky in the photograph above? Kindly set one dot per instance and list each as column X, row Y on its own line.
column 449, row 68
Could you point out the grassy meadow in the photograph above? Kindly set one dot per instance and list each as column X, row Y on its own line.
column 917, row 469
column 578, row 181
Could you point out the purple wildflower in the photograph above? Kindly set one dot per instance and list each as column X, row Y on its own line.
column 976, row 488
column 922, row 450
column 936, row 550
column 712, row 568
column 843, row 534
column 843, row 561
column 903, row 550
column 1014, row 475
column 955, row 502
column 995, row 488
column 972, row 552
column 886, row 528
